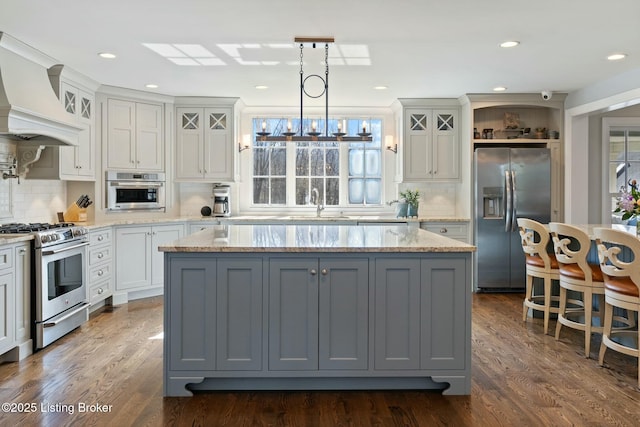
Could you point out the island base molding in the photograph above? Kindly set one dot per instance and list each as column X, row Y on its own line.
column 447, row 385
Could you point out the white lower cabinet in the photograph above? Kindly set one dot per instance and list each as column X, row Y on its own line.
column 101, row 279
column 15, row 301
column 7, row 331
column 139, row 266
column 453, row 230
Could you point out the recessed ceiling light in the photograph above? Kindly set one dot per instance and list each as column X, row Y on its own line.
column 381, row 87
column 106, row 55
column 499, row 89
column 616, row 56
column 262, row 87
column 510, row 43
column 151, row 86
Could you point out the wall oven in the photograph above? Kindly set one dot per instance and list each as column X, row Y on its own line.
column 131, row 191
column 60, row 283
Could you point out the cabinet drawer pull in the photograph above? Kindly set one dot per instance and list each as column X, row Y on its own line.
column 100, row 255
column 100, row 272
column 324, row 271
column 100, row 238
column 443, row 230
column 313, row 272
column 100, row 290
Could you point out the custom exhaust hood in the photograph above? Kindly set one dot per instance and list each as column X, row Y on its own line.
column 30, row 112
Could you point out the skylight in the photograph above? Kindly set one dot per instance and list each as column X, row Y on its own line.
column 185, row 54
column 253, row 54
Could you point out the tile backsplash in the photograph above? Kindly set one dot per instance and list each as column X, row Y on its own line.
column 33, row 200
column 38, row 200
column 436, row 200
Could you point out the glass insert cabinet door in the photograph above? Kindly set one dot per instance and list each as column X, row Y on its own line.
column 624, row 162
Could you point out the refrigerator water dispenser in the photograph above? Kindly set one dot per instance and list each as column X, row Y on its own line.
column 492, row 202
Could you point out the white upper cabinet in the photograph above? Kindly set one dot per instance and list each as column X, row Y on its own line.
column 431, row 144
column 204, row 144
column 79, row 161
column 134, row 135
column 66, row 162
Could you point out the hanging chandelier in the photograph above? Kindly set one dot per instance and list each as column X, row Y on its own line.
column 314, row 135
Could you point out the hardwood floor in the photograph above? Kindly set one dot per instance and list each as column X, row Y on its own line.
column 520, row 377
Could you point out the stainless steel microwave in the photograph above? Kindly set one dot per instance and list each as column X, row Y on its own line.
column 133, row 191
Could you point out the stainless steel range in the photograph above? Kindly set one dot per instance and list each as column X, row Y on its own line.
column 59, row 290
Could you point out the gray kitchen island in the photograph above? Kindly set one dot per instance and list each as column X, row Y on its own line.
column 317, row 307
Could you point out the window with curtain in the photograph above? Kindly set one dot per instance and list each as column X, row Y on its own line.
column 345, row 174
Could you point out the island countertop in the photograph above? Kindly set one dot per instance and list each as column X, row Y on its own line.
column 315, row 238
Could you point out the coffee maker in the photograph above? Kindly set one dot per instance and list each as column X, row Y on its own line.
column 221, row 205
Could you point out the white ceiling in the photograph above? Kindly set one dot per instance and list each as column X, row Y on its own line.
column 418, row 48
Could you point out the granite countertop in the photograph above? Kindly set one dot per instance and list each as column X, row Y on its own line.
column 315, row 238
column 290, row 219
column 6, row 239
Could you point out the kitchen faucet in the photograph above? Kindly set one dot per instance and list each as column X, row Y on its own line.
column 315, row 199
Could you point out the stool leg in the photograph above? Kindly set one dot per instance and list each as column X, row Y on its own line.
column 561, row 309
column 638, row 358
column 527, row 296
column 587, row 297
column 606, row 330
column 547, row 302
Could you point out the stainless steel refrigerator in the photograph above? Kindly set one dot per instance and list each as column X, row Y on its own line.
column 509, row 183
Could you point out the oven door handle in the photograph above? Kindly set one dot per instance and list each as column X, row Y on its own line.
column 73, row 312
column 57, row 251
column 136, row 185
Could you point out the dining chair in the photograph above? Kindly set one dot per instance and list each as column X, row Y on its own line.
column 621, row 290
column 539, row 264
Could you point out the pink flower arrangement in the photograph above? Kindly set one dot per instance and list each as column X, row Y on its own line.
column 627, row 201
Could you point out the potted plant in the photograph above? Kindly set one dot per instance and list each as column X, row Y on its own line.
column 412, row 198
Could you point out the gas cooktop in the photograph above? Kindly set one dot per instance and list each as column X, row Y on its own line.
column 20, row 228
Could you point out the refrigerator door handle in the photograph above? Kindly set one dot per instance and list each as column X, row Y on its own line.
column 514, row 201
column 508, row 207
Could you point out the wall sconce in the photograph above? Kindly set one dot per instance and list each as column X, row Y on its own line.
column 245, row 144
column 388, row 143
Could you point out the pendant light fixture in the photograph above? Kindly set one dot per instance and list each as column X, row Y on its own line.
column 314, row 134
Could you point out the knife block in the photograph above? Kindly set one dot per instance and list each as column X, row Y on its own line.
column 74, row 213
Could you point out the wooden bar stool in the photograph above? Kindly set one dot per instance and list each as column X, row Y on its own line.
column 572, row 246
column 621, row 289
column 541, row 264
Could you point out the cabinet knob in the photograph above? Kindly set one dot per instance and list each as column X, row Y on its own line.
column 100, row 290
column 100, row 255
column 313, row 272
column 100, row 238
column 324, row 271
column 443, row 230
column 100, row 272
column 22, row 251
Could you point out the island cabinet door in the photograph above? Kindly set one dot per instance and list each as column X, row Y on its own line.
column 191, row 318
column 239, row 314
column 397, row 314
column 343, row 313
column 293, row 314
column 443, row 301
